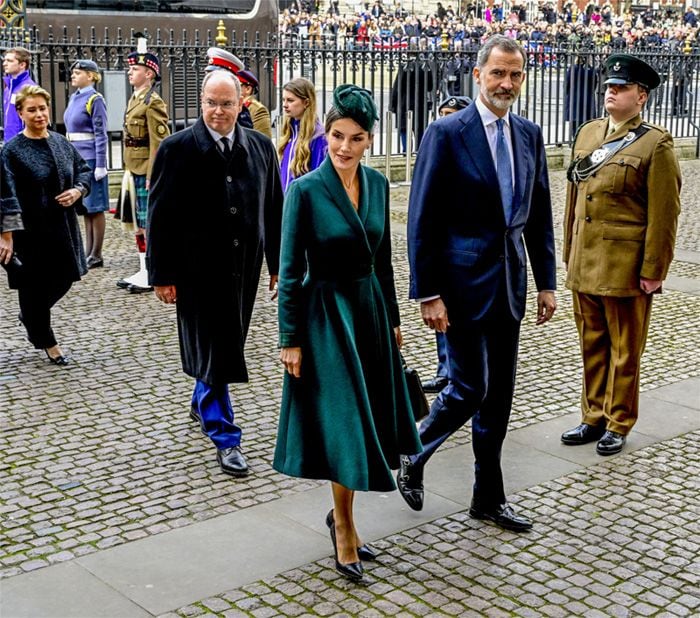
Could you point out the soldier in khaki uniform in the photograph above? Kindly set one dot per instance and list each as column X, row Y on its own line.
column 145, row 127
column 622, row 208
column 258, row 112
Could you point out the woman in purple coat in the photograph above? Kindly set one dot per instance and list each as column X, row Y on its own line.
column 86, row 128
column 302, row 147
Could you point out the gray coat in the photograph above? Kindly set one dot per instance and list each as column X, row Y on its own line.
column 210, row 221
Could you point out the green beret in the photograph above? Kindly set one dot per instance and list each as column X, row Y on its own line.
column 356, row 103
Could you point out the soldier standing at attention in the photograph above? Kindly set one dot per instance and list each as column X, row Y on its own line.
column 145, row 127
column 622, row 207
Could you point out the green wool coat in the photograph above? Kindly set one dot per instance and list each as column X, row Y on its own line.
column 348, row 417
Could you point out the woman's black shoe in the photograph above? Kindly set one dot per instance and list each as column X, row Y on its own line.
column 93, row 262
column 364, row 552
column 57, row 360
column 352, row 571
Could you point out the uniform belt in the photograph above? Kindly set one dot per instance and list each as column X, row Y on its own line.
column 80, row 137
column 132, row 142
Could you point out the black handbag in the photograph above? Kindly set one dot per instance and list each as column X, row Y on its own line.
column 419, row 402
column 15, row 270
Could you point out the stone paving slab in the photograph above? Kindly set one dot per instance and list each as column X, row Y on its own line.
column 72, row 593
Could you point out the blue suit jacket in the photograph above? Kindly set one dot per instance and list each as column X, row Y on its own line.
column 459, row 244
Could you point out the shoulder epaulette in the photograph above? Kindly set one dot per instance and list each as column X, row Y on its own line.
column 91, row 101
column 573, row 141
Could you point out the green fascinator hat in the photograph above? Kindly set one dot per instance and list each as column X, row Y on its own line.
column 356, row 103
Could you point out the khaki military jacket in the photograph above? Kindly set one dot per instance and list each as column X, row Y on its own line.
column 620, row 223
column 146, row 122
column 260, row 116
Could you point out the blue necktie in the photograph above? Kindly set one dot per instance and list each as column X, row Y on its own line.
column 504, row 171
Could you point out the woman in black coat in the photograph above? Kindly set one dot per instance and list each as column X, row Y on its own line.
column 43, row 178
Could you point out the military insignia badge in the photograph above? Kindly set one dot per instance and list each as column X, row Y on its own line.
column 616, row 66
column 598, row 155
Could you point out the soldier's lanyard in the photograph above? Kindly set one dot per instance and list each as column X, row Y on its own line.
column 582, row 168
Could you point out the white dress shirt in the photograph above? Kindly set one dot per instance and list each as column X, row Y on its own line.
column 488, row 119
column 217, row 137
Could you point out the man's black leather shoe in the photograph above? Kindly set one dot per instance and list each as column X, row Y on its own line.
column 582, row 434
column 410, row 482
column 232, row 461
column 435, row 385
column 194, row 415
column 611, row 443
column 503, row 515
column 137, row 289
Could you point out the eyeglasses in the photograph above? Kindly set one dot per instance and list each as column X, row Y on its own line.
column 227, row 106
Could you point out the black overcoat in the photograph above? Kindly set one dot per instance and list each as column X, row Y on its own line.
column 210, row 221
column 46, row 236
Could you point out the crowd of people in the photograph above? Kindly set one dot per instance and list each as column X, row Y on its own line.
column 479, row 211
column 379, row 26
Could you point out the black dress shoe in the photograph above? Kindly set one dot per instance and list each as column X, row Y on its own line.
column 611, row 443
column 59, row 360
column 123, row 284
column 503, row 515
column 137, row 289
column 364, row 552
column 352, row 571
column 410, row 482
column 197, row 419
column 93, row 262
column 232, row 461
column 435, row 385
column 582, row 434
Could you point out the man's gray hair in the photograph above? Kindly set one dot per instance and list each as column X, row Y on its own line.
column 504, row 44
column 223, row 74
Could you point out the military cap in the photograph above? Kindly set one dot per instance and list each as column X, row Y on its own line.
column 628, row 69
column 85, row 65
column 246, row 77
column 456, row 103
column 146, row 59
column 221, row 59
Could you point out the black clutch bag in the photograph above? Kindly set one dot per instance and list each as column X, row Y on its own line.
column 419, row 403
column 15, row 270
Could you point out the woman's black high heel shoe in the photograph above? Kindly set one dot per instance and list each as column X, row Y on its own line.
column 364, row 552
column 352, row 571
column 57, row 360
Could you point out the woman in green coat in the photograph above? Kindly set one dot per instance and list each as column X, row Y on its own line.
column 346, row 414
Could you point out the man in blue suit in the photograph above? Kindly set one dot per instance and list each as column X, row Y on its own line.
column 480, row 195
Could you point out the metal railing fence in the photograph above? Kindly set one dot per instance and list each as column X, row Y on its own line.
column 562, row 88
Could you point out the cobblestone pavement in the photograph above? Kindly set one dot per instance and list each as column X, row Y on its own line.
column 103, row 452
column 618, row 539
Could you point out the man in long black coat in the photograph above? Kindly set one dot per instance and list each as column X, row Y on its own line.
column 215, row 210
